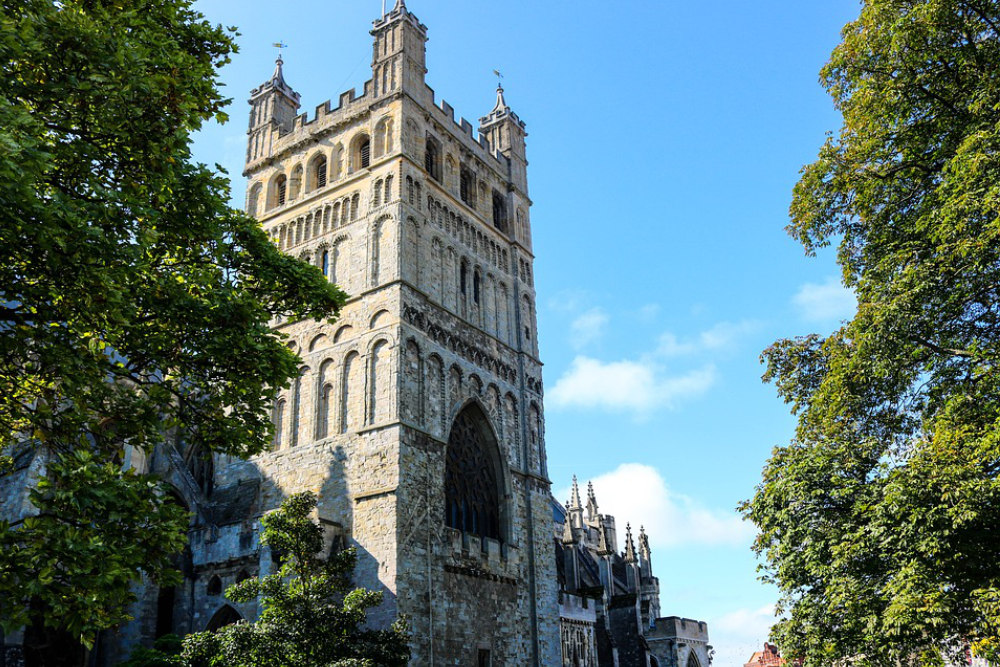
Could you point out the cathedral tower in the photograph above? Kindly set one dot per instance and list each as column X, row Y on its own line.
column 418, row 414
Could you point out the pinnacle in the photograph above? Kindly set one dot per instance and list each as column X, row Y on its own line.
column 574, row 502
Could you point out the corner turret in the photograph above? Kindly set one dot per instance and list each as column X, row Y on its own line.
column 399, row 53
column 506, row 135
column 273, row 107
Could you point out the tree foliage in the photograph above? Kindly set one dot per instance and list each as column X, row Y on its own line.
column 879, row 521
column 134, row 301
column 311, row 617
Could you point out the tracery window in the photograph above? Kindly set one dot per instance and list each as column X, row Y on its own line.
column 472, row 483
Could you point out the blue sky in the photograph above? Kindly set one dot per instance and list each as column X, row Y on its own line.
column 664, row 141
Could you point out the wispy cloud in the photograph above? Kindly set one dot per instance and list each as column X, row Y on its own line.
column 627, row 386
column 739, row 633
column 677, row 369
column 720, row 337
column 826, row 302
column 638, row 494
column 588, row 328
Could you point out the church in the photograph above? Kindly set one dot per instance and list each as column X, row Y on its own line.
column 417, row 417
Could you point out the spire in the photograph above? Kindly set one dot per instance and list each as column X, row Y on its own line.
column 278, row 78
column 644, row 543
column 591, row 502
column 574, row 501
column 501, row 102
column 629, row 545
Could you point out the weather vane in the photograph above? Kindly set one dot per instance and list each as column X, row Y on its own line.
column 499, row 78
column 280, row 45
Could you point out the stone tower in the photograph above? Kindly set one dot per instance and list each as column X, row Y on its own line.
column 418, row 414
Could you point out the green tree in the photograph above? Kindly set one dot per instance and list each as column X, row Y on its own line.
column 134, row 301
column 880, row 521
column 311, row 617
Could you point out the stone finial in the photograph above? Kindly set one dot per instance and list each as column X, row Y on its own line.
column 501, row 102
column 400, row 4
column 279, row 76
column 591, row 502
column 574, row 501
column 629, row 545
column 643, row 542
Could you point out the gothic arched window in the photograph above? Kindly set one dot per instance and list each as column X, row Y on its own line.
column 472, row 477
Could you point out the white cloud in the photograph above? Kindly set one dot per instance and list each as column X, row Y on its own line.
column 825, row 302
column 738, row 634
column 721, row 336
column 627, row 386
column 646, row 383
column 588, row 328
column 637, row 494
column 649, row 312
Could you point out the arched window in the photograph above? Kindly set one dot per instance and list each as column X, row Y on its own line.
column 279, row 423
column 295, row 186
column 377, row 196
column 409, row 190
column 361, row 153
column 476, row 280
column 383, row 137
column 242, row 576
column 225, row 616
column 280, row 190
column 253, row 200
column 432, row 159
column 318, row 175
column 388, row 189
column 214, row 585
column 463, row 276
column 499, row 212
column 467, row 187
column 355, row 204
column 472, row 476
column 366, row 153
column 326, row 263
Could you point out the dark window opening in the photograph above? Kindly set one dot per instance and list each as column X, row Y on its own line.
column 321, row 173
column 431, row 160
column 214, row 586
column 467, row 187
column 242, row 576
column 165, row 612
column 366, row 154
column 472, row 492
column 475, row 287
column 484, row 657
column 225, row 616
column 282, row 190
column 326, row 262
column 202, row 468
column 462, row 278
column 499, row 212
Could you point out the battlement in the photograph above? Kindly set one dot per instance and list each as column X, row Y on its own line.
column 680, row 629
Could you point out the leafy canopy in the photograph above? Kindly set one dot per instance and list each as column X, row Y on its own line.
column 879, row 521
column 311, row 617
column 133, row 300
